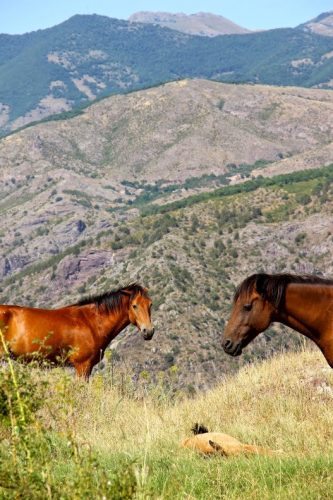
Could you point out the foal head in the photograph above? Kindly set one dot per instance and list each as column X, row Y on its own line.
column 251, row 314
column 139, row 311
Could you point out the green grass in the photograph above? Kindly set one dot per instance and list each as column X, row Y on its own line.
column 303, row 187
column 170, row 475
column 240, row 478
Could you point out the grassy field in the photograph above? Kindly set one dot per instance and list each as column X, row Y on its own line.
column 62, row 438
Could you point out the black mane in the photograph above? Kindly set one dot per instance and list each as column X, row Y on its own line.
column 112, row 300
column 199, row 429
column 272, row 287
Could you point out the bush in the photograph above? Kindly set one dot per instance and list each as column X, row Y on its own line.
column 300, row 237
column 303, row 199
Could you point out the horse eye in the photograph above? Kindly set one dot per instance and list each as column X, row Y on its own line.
column 134, row 306
column 247, row 307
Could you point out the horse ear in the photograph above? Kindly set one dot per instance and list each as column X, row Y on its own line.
column 217, row 447
column 126, row 292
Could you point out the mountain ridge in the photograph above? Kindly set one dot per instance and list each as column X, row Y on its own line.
column 87, row 57
column 200, row 23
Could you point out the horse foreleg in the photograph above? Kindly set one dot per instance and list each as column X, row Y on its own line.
column 326, row 347
column 83, row 369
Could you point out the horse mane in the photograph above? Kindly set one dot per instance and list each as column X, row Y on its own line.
column 272, row 287
column 112, row 300
column 199, row 429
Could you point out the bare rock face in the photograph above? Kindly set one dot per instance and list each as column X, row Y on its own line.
column 81, row 226
column 77, row 269
column 9, row 265
column 201, row 23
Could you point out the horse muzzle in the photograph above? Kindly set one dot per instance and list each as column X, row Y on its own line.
column 232, row 348
column 148, row 333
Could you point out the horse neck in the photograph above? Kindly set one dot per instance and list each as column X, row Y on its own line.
column 309, row 310
column 109, row 323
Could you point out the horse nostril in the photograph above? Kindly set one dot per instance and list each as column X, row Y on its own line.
column 227, row 344
column 144, row 331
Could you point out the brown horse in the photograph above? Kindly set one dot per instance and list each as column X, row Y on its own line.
column 304, row 303
column 81, row 331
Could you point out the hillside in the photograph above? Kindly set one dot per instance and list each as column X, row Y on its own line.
column 106, row 440
column 73, row 221
column 201, row 23
column 87, row 57
column 176, row 131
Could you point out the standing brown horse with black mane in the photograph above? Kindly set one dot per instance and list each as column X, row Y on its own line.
column 304, row 303
column 81, row 331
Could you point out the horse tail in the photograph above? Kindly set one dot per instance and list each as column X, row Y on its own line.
column 199, row 429
column 5, row 318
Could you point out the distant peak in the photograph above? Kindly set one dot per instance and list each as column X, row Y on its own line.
column 322, row 17
column 321, row 25
column 199, row 23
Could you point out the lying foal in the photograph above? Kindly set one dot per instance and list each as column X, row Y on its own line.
column 215, row 442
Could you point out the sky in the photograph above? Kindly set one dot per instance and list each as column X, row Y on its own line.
column 21, row 16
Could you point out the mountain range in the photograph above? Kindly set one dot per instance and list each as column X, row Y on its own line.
column 85, row 58
column 207, row 24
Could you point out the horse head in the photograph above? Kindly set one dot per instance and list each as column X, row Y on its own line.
column 251, row 314
column 139, row 311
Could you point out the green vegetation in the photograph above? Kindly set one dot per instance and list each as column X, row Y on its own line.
column 160, row 189
column 324, row 173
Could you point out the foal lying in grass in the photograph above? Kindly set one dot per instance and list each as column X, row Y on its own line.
column 216, row 442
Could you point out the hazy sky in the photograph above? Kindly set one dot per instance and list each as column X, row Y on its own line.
column 20, row 16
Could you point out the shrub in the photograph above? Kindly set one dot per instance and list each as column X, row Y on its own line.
column 303, row 199
column 300, row 237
